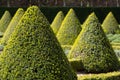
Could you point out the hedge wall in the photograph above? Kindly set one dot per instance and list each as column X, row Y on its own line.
column 50, row 12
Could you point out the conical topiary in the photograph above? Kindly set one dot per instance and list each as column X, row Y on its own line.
column 5, row 20
column 93, row 48
column 69, row 29
column 12, row 26
column 110, row 24
column 57, row 22
column 33, row 52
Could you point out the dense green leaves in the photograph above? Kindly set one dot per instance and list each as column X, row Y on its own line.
column 57, row 22
column 5, row 20
column 101, row 76
column 93, row 48
column 33, row 52
column 110, row 24
column 69, row 30
column 12, row 25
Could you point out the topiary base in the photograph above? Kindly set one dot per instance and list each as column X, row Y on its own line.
column 100, row 76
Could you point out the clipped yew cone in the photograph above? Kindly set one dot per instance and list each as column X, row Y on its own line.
column 5, row 20
column 94, row 49
column 55, row 25
column 69, row 29
column 33, row 52
column 16, row 18
column 110, row 24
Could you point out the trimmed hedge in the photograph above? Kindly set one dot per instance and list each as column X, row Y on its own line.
column 69, row 29
column 1, row 47
column 1, row 34
column 19, row 13
column 110, row 24
column 102, row 76
column 76, row 64
column 66, row 48
column 57, row 22
column 114, row 38
column 5, row 20
column 93, row 48
column 33, row 52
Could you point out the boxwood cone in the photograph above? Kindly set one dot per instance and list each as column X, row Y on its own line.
column 110, row 24
column 57, row 22
column 69, row 29
column 5, row 20
column 16, row 18
column 33, row 52
column 93, row 48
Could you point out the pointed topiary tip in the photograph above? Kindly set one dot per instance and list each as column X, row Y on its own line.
column 93, row 14
column 110, row 14
column 90, row 18
column 33, row 8
column 21, row 9
column 60, row 12
column 6, row 12
column 71, row 10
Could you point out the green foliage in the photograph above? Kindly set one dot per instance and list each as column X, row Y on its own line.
column 66, row 48
column 57, row 22
column 33, row 52
column 94, row 48
column 1, row 34
column 102, row 76
column 110, row 24
column 1, row 47
column 5, row 20
column 19, row 13
column 69, row 30
column 114, row 38
column 76, row 64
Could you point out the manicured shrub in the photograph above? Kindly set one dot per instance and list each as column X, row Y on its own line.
column 5, row 20
column 57, row 21
column 1, row 47
column 1, row 34
column 113, row 37
column 93, row 48
column 33, row 52
column 110, row 24
column 69, row 29
column 102, row 76
column 12, row 26
column 76, row 64
column 117, row 40
column 66, row 48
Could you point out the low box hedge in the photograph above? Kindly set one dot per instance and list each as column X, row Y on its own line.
column 102, row 76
